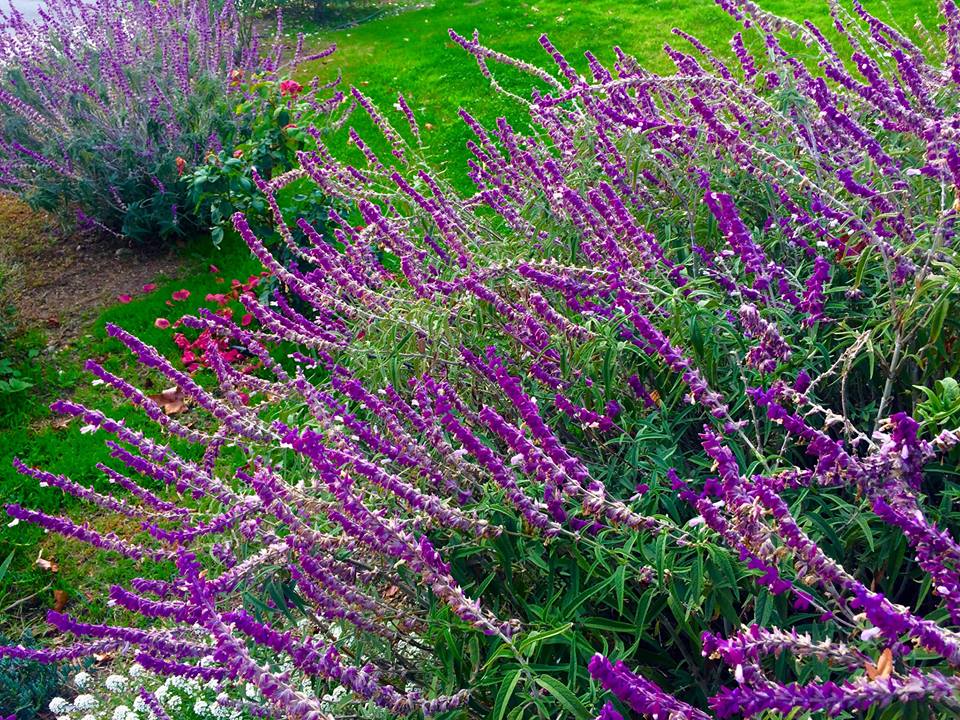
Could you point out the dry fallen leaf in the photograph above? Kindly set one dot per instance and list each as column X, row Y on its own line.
column 884, row 667
column 60, row 599
column 172, row 400
column 45, row 564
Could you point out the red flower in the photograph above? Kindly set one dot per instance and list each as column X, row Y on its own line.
column 246, row 319
column 214, row 269
column 181, row 294
column 236, row 77
column 161, row 323
column 181, row 166
column 124, row 298
column 290, row 87
column 149, row 287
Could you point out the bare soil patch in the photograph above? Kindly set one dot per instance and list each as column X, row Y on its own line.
column 60, row 280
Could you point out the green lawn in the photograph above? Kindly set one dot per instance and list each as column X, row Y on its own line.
column 29, row 431
column 411, row 53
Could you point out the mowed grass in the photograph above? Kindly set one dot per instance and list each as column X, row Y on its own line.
column 30, row 432
column 409, row 53
column 412, row 52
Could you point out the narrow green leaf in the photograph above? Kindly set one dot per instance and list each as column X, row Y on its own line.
column 503, row 695
column 564, row 696
column 6, row 565
column 538, row 637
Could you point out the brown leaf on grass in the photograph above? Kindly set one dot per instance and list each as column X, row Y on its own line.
column 172, row 400
column 45, row 564
column 60, row 423
column 884, row 667
column 60, row 599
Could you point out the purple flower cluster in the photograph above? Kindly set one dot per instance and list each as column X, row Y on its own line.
column 105, row 108
column 521, row 368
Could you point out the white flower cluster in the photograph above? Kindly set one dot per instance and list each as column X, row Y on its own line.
column 116, row 696
column 115, row 683
column 122, row 712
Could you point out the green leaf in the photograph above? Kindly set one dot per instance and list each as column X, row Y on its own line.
column 696, row 585
column 6, row 565
column 621, row 579
column 867, row 532
column 503, row 695
column 564, row 696
column 600, row 623
column 939, row 315
column 538, row 637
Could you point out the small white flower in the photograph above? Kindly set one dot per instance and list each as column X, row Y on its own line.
column 59, row 706
column 88, row 716
column 115, row 683
column 81, row 680
column 139, row 705
column 85, row 702
column 201, row 707
column 869, row 634
column 135, row 670
column 250, row 690
column 174, row 702
column 120, row 712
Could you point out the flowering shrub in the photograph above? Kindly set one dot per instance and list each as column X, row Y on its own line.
column 284, row 116
column 629, row 429
column 105, row 107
